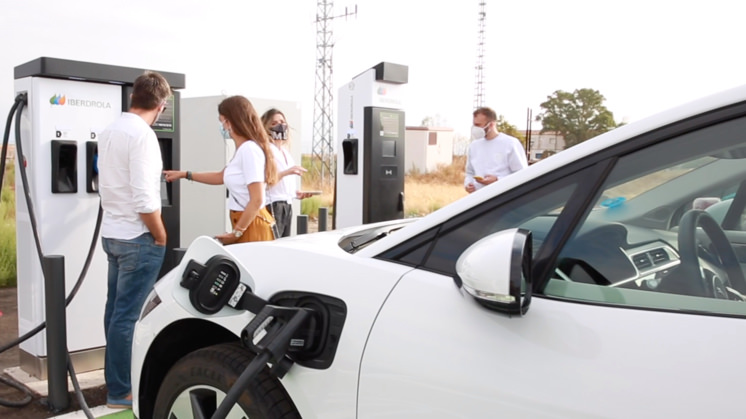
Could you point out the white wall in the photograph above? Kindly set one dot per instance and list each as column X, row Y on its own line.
column 421, row 155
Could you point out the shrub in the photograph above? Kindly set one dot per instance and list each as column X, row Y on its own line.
column 8, row 229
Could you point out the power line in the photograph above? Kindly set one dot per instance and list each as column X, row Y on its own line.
column 479, row 94
column 323, row 115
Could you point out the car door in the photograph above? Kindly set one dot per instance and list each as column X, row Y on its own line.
column 618, row 328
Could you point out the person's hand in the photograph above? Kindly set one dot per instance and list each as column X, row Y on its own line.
column 487, row 179
column 295, row 170
column 303, row 195
column 171, row 175
column 159, row 241
column 226, row 238
column 470, row 188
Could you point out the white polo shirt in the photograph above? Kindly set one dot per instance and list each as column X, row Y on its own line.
column 130, row 168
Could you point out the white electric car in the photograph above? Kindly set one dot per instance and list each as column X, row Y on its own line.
column 605, row 281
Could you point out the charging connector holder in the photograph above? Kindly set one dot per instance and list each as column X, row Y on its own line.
column 213, row 285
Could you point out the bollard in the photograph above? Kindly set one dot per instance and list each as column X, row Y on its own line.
column 323, row 216
column 54, row 290
column 302, row 224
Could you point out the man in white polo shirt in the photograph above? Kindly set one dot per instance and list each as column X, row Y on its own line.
column 492, row 154
column 132, row 231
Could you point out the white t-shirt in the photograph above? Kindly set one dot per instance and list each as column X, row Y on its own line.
column 285, row 189
column 246, row 167
column 500, row 157
column 130, row 169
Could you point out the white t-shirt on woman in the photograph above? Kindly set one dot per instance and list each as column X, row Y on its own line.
column 246, row 167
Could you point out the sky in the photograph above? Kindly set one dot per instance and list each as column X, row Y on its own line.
column 642, row 56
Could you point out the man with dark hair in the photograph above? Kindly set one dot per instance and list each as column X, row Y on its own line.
column 132, row 232
column 492, row 154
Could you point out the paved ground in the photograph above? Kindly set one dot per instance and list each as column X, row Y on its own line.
column 36, row 408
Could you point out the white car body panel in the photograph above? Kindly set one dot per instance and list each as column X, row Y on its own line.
column 586, row 367
column 365, row 281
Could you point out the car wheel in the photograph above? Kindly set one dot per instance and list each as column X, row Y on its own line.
column 199, row 382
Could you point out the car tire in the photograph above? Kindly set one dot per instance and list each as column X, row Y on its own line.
column 203, row 378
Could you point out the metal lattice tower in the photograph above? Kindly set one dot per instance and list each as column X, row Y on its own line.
column 479, row 95
column 323, row 121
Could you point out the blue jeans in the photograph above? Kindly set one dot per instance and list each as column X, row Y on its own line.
column 133, row 268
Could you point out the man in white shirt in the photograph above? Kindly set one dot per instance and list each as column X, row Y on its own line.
column 492, row 154
column 132, row 231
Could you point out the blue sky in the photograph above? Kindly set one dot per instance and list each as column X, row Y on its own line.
column 643, row 56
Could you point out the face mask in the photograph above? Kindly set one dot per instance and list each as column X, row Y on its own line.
column 279, row 132
column 477, row 132
column 224, row 132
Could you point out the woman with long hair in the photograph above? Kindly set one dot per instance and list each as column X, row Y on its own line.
column 246, row 176
column 280, row 195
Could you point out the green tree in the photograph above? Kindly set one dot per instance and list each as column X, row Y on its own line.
column 578, row 116
column 506, row 127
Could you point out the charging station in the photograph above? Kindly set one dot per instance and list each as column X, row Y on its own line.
column 69, row 104
column 370, row 152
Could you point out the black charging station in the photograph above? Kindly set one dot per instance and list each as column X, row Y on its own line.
column 383, row 163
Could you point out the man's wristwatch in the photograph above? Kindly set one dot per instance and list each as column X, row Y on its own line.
column 237, row 233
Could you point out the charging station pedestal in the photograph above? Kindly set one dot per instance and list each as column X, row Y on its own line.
column 370, row 151
column 69, row 104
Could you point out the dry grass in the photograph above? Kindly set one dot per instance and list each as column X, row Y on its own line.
column 423, row 192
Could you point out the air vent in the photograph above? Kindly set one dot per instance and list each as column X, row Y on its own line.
column 642, row 261
column 659, row 256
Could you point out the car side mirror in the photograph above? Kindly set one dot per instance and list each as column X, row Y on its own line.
column 496, row 271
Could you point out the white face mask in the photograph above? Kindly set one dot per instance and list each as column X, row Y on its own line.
column 477, row 132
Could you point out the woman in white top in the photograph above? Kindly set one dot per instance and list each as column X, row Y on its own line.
column 280, row 195
column 246, row 176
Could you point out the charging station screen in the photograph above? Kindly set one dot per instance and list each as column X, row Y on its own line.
column 389, row 122
column 165, row 122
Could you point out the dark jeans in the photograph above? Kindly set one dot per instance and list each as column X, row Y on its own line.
column 133, row 268
column 283, row 213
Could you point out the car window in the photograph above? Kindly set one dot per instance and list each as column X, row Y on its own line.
column 536, row 208
column 645, row 242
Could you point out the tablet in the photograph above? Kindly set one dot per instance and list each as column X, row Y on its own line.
column 310, row 192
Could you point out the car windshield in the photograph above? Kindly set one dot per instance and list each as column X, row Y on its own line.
column 634, row 187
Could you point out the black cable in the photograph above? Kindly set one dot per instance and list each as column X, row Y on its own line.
column 20, row 387
column 17, row 108
column 76, row 386
column 6, row 137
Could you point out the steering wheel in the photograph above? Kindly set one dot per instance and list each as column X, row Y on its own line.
column 691, row 267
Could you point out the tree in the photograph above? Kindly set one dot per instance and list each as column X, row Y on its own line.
column 578, row 116
column 505, row 127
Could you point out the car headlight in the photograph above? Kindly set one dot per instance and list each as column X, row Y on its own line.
column 150, row 304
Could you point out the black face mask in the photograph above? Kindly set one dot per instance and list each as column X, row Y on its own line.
column 279, row 132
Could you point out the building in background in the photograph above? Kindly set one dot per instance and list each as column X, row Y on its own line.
column 543, row 145
column 427, row 147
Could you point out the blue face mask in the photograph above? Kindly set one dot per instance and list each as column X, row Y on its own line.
column 224, row 132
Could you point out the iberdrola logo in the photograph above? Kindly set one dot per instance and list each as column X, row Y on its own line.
column 57, row 100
